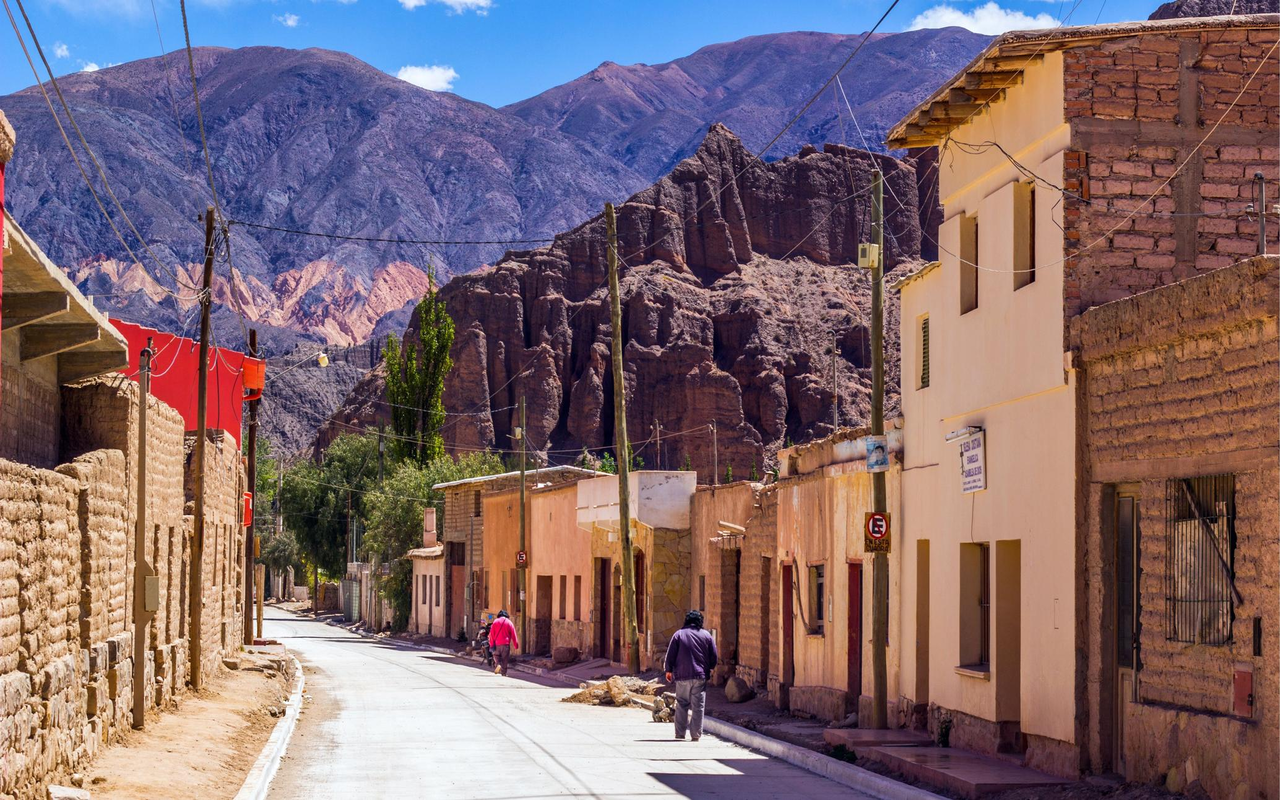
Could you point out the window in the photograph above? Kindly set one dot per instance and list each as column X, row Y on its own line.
column 476, row 512
column 817, row 597
column 702, row 592
column 1024, row 235
column 924, row 352
column 437, row 591
column 577, row 598
column 968, row 263
column 506, row 599
column 975, row 605
column 1200, row 558
column 422, row 589
column 564, row 594
column 486, row 589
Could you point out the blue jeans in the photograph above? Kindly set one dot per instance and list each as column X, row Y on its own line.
column 690, row 694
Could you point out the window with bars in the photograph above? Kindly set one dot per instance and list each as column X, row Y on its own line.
column 1200, row 559
column 924, row 352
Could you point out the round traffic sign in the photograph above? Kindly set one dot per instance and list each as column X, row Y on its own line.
column 877, row 525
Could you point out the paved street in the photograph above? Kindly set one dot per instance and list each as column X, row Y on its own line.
column 389, row 721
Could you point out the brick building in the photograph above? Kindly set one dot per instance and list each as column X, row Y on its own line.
column 1081, row 166
column 1180, row 532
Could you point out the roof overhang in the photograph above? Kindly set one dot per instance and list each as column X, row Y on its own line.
column 914, row 275
column 51, row 318
column 1001, row 65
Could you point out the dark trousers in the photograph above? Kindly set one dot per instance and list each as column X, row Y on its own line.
column 502, row 654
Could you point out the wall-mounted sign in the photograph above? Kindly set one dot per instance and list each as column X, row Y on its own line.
column 877, row 448
column 877, row 538
column 522, row 559
column 973, row 462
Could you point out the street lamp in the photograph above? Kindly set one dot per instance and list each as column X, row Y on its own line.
column 321, row 359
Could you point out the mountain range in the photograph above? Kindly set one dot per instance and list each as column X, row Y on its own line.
column 318, row 141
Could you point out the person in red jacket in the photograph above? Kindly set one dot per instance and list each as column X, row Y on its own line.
column 502, row 637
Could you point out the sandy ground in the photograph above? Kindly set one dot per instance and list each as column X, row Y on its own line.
column 204, row 749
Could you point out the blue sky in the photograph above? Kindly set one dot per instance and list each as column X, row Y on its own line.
column 494, row 51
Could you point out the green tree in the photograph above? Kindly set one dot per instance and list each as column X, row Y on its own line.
column 728, row 474
column 321, row 502
column 688, row 463
column 395, row 513
column 415, row 380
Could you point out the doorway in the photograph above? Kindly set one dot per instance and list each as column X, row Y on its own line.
column 854, row 672
column 542, row 616
column 766, row 618
column 1127, row 614
column 788, row 632
column 603, row 573
column 730, row 606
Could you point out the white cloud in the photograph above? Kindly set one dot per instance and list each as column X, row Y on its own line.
column 287, row 20
column 60, row 50
column 89, row 66
column 988, row 18
column 435, row 78
column 481, row 7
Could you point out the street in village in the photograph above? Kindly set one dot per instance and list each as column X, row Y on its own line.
column 384, row 719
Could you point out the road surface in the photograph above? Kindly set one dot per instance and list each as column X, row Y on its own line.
column 387, row 721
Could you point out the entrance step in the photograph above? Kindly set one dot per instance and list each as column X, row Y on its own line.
column 967, row 774
column 853, row 738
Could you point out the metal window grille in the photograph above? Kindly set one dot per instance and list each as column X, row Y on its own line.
column 1200, row 558
column 924, row 353
column 984, row 604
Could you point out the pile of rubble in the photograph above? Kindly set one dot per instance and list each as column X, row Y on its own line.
column 616, row 691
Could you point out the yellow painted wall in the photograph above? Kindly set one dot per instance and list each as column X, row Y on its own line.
column 820, row 520
column 999, row 367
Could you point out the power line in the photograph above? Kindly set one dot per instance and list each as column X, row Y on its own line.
column 381, row 239
column 70, row 149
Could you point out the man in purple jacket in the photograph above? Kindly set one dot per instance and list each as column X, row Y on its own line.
column 691, row 656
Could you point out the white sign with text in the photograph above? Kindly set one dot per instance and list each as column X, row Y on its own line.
column 973, row 463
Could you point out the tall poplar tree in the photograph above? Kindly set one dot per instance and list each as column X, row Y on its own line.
column 415, row 380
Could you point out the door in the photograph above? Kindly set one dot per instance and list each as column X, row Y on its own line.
column 542, row 617
column 1128, row 569
column 457, row 588
column 788, row 626
column 855, row 633
column 602, row 608
column 766, row 617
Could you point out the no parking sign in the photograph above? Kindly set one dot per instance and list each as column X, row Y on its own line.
column 877, row 536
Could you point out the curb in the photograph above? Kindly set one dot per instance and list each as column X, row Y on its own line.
column 864, row 780
column 258, row 781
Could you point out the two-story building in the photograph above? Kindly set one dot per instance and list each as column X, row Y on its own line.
column 1077, row 166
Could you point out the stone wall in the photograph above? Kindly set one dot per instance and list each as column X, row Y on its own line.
column 67, row 575
column 1138, row 108
column 1181, row 382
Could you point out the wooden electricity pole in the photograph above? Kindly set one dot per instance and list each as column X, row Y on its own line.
column 141, row 569
column 521, row 569
column 622, row 452
column 249, row 533
column 196, row 583
column 880, row 561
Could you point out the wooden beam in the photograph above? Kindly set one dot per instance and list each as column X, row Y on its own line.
column 88, row 363
column 960, row 96
column 41, row 340
column 1012, row 63
column 24, row 308
column 992, row 80
column 985, row 95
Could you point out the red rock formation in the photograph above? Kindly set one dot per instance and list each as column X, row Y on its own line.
column 738, row 275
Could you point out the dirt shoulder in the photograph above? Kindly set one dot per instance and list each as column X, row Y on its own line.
column 202, row 749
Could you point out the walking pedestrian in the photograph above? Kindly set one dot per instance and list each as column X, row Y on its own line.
column 502, row 637
column 691, row 656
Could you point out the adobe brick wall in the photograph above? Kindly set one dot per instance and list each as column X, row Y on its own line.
column 1182, row 382
column 1138, row 108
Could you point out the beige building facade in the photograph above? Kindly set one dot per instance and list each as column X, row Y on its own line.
column 1116, row 147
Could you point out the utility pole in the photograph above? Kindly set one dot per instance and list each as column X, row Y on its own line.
column 835, row 383
column 141, row 569
column 1262, row 213
column 880, row 561
column 196, row 583
column 715, row 455
column 657, row 427
column 520, row 568
column 250, row 538
column 622, row 451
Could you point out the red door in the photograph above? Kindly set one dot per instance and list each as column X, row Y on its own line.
column 788, row 626
column 855, row 633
